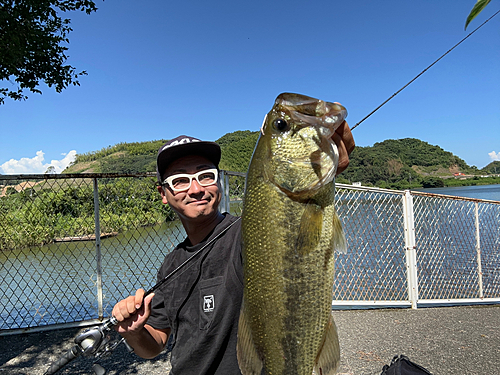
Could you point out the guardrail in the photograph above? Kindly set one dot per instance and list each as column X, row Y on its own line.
column 73, row 245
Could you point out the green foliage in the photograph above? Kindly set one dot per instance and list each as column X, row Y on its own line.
column 130, row 164
column 234, row 137
column 37, row 216
column 432, row 182
column 415, row 152
column 392, row 163
column 237, row 149
column 140, row 157
column 478, row 8
column 10, row 190
column 32, row 37
column 476, row 180
column 134, row 148
column 492, row 168
column 48, row 210
column 102, row 153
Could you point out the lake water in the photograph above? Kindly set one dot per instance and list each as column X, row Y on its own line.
column 57, row 283
column 489, row 192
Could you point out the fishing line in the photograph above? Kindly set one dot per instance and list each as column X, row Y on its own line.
column 423, row 71
column 164, row 280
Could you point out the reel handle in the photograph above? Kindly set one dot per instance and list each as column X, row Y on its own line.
column 67, row 357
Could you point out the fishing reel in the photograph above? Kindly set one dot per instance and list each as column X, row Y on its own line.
column 97, row 342
column 94, row 342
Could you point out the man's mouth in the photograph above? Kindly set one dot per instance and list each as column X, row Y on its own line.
column 199, row 201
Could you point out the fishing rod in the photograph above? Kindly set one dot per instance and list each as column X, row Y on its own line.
column 96, row 342
column 423, row 71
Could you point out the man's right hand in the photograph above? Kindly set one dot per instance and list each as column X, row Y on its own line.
column 132, row 312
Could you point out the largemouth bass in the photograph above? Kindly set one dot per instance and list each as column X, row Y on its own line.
column 290, row 230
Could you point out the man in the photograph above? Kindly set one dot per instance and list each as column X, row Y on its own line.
column 200, row 306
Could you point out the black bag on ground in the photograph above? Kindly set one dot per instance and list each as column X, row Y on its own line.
column 401, row 365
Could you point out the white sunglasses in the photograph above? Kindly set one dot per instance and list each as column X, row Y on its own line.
column 182, row 182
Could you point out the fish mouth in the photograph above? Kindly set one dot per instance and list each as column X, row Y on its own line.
column 305, row 157
column 307, row 111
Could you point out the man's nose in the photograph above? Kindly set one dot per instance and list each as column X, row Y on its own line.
column 195, row 187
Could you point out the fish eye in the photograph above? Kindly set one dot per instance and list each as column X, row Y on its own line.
column 280, row 124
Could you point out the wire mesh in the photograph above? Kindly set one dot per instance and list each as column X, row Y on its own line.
column 451, row 258
column 489, row 229
column 445, row 233
column 374, row 266
column 55, row 270
column 48, row 240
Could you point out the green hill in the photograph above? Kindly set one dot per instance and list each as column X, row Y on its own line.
column 492, row 168
column 140, row 157
column 398, row 164
column 136, row 157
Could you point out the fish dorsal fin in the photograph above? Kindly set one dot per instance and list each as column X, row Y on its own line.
column 248, row 358
column 311, row 225
column 329, row 354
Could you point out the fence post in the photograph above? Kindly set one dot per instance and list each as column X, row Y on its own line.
column 222, row 204
column 411, row 256
column 98, row 251
column 225, row 203
column 478, row 251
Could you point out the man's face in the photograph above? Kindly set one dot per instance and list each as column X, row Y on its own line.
column 198, row 201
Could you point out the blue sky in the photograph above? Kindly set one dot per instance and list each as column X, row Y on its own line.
column 158, row 69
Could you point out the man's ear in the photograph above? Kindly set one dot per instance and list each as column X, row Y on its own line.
column 163, row 195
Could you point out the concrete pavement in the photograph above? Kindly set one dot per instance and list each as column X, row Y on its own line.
column 445, row 340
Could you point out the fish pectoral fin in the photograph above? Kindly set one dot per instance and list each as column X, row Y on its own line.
column 338, row 240
column 311, row 225
column 248, row 358
column 329, row 354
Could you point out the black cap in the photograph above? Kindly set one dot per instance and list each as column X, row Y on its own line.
column 182, row 146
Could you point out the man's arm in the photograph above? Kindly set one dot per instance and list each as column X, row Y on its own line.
column 132, row 314
column 148, row 342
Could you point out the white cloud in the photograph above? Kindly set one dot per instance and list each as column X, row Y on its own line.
column 494, row 156
column 36, row 164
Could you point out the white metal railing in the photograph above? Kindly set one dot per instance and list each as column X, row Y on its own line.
column 442, row 249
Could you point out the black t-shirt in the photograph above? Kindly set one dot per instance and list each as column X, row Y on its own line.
column 201, row 304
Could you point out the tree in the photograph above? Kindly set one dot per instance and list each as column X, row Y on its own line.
column 432, row 182
column 480, row 5
column 51, row 170
column 32, row 38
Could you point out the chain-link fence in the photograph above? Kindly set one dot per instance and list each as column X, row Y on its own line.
column 71, row 246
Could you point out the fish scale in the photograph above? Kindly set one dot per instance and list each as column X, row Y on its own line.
column 290, row 230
